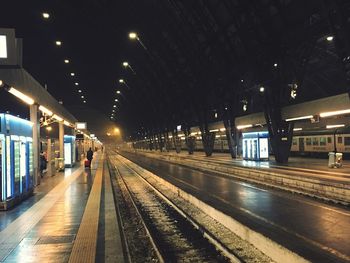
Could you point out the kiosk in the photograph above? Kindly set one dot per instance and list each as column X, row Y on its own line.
column 16, row 160
column 256, row 146
column 69, row 150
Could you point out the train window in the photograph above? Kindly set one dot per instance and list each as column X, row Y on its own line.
column 340, row 139
column 295, row 142
column 323, row 141
column 347, row 141
column 315, row 141
column 329, row 139
column 308, row 141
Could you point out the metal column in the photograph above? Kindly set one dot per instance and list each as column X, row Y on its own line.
column 34, row 118
column 61, row 139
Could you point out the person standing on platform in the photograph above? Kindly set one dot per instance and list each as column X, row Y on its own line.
column 43, row 163
column 89, row 156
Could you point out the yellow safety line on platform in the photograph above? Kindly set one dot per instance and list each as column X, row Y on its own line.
column 84, row 248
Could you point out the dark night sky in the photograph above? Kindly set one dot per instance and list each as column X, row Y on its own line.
column 194, row 46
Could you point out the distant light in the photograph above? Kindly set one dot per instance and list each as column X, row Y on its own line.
column 2, row 84
column 216, row 115
column 49, row 128
column 329, row 38
column 118, row 91
column 72, row 74
column 84, row 101
column 133, row 35
column 297, row 129
column 275, row 65
column 114, row 106
column 125, row 64
column 121, row 81
column 76, row 83
column 113, row 110
column 21, row 96
column 300, row 118
column 116, row 130
column 242, row 80
column 66, row 123
column 240, row 127
column 46, row 15
column 335, row 126
column 262, row 89
column 333, row 113
column 116, row 100
column 79, row 90
column 245, row 107
column 82, row 96
column 66, row 61
column 58, row 43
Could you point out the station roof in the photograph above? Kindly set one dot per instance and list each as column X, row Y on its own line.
column 22, row 81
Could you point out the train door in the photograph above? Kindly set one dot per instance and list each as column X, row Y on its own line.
column 301, row 144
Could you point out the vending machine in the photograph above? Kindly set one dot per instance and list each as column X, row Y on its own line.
column 16, row 155
column 69, row 150
column 256, row 145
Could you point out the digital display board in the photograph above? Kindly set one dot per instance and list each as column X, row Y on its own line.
column 3, row 46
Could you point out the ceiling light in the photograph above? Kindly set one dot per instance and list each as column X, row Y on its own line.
column 57, row 117
column 116, row 100
column 2, row 83
column 58, row 43
column 329, row 38
column 240, row 127
column 114, row 106
column 121, row 81
column 300, row 118
column 45, row 110
column 72, row 74
column 261, row 89
column 297, row 129
column 46, row 15
column 133, row 35
column 84, row 101
column 79, row 90
column 76, row 83
column 82, row 96
column 333, row 113
column 125, row 64
column 66, row 123
column 49, row 128
column 275, row 65
column 66, row 61
column 335, row 126
column 118, row 91
column 21, row 96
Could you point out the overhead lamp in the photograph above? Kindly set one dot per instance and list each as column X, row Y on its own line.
column 84, row 101
column 82, row 96
column 113, row 110
column 114, row 106
column 333, row 113
column 329, row 38
column 66, row 123
column 133, row 35
column 118, row 91
column 76, row 83
column 58, row 43
column 261, row 89
column 125, row 64
column 66, row 61
column 297, row 129
column 72, row 74
column 300, row 118
column 335, row 126
column 2, row 83
column 45, row 110
column 240, row 127
column 49, row 128
column 242, row 80
column 45, row 15
column 56, row 117
column 21, row 96
column 121, row 81
column 79, row 91
column 275, row 65
column 116, row 100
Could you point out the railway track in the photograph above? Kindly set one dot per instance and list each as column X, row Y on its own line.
column 172, row 235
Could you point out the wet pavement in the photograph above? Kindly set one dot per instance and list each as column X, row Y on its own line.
column 313, row 229
column 45, row 232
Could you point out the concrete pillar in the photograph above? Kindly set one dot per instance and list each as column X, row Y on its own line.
column 61, row 139
column 34, row 118
column 50, row 167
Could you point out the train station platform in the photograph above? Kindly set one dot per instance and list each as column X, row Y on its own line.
column 70, row 218
column 304, row 175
